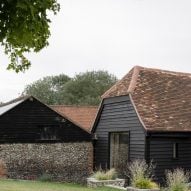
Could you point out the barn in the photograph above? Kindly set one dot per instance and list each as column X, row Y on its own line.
column 145, row 115
column 38, row 140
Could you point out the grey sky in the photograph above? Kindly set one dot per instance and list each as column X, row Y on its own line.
column 112, row 35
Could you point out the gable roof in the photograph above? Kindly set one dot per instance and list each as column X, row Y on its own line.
column 161, row 98
column 6, row 107
column 82, row 115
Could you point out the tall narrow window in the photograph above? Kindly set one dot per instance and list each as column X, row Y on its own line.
column 175, row 150
column 119, row 147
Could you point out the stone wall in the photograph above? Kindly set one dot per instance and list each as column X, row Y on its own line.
column 70, row 162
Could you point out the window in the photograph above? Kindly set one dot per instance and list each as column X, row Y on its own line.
column 175, row 150
column 48, row 133
column 119, row 147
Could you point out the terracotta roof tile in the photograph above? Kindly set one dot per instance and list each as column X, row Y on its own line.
column 82, row 115
column 162, row 98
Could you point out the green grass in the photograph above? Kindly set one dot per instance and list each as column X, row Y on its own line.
column 19, row 185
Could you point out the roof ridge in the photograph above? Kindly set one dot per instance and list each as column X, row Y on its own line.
column 118, row 82
column 135, row 75
column 15, row 100
column 164, row 71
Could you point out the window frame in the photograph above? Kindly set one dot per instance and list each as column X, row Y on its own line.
column 175, row 149
column 108, row 165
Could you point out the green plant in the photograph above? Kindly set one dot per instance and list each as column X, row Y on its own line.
column 105, row 175
column 145, row 184
column 99, row 175
column 141, row 174
column 177, row 180
column 111, row 174
column 45, row 177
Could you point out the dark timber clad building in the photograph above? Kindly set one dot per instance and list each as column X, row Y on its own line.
column 146, row 115
column 26, row 119
column 37, row 139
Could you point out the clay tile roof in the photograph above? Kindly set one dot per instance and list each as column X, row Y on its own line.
column 81, row 115
column 162, row 98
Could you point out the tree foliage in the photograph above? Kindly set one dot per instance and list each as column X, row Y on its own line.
column 47, row 89
column 84, row 89
column 24, row 27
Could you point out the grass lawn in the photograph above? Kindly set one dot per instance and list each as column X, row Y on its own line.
column 19, row 185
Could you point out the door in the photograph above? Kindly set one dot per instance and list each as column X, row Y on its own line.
column 119, row 150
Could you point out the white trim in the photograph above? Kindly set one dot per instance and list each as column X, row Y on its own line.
column 6, row 108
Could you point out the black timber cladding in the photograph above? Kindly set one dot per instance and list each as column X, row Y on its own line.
column 117, row 115
column 25, row 123
column 161, row 153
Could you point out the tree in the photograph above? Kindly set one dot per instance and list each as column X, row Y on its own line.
column 84, row 89
column 47, row 89
column 87, row 88
column 24, row 27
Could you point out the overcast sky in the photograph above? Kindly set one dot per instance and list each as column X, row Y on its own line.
column 111, row 35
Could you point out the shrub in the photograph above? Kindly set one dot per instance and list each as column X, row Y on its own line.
column 111, row 174
column 141, row 174
column 45, row 178
column 177, row 180
column 105, row 175
column 145, row 184
column 153, row 185
column 100, row 175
